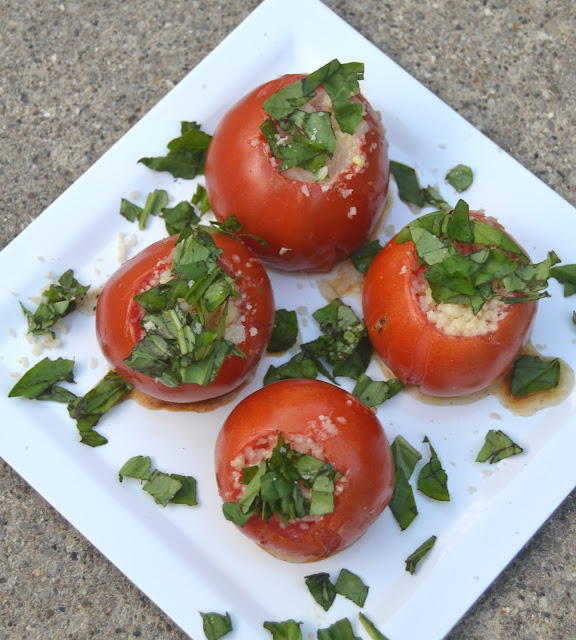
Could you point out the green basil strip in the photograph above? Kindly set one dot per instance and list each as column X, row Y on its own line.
column 370, row 628
column 137, row 467
column 362, row 258
column 322, row 590
column 162, row 487
column 351, row 586
column 287, row 630
column 216, row 625
column 497, row 446
column 187, row 153
column 432, row 479
column 59, row 301
column 574, row 317
column 297, row 367
column 432, row 196
column 403, row 503
column 460, row 177
column 340, row 630
column 356, row 363
column 375, row 392
column 178, row 217
column 40, row 381
column 414, row 558
column 566, row 275
column 89, row 409
column 409, row 188
column 285, row 331
column 531, row 374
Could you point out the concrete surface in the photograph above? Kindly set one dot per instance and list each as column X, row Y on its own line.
column 75, row 75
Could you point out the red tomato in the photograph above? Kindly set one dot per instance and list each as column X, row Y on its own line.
column 118, row 317
column 308, row 226
column 348, row 436
column 420, row 353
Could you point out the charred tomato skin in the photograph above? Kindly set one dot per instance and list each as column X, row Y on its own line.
column 359, row 449
column 416, row 350
column 118, row 317
column 307, row 226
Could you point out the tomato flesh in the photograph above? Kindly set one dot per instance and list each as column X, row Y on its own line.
column 118, row 317
column 353, row 442
column 416, row 350
column 307, row 226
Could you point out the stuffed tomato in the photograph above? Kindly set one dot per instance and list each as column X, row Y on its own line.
column 310, row 180
column 304, row 468
column 450, row 302
column 188, row 318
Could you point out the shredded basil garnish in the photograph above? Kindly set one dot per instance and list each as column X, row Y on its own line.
column 362, row 258
column 302, row 139
column 285, row 331
column 351, row 586
column 375, row 392
column 155, row 203
column 497, row 446
column 163, row 487
column 186, row 155
column 287, row 630
column 531, row 374
column 185, row 319
column 58, row 301
column 414, row 558
column 370, row 628
column 566, row 275
column 275, row 486
column 403, row 503
column 340, row 630
column 322, row 589
column 41, row 381
column 460, row 177
column 216, row 625
column 432, row 479
column 409, row 189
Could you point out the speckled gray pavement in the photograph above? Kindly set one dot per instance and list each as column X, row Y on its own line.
column 74, row 76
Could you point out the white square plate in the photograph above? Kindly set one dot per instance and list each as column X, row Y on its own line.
column 189, row 559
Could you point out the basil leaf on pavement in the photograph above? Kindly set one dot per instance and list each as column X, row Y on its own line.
column 432, row 479
column 497, row 446
column 531, row 374
column 41, row 381
column 414, row 558
column 216, row 625
column 322, row 589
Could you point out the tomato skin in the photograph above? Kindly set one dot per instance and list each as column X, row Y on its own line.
column 416, row 350
column 118, row 317
column 307, row 227
column 360, row 448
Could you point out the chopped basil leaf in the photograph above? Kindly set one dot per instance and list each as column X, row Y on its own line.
column 41, row 381
column 497, row 446
column 306, row 139
column 566, row 275
column 362, row 258
column 216, row 625
column 432, row 479
column 156, row 201
column 340, row 630
column 285, row 331
column 370, row 628
column 59, row 301
column 297, row 367
column 403, row 503
column 531, row 374
column 460, row 177
column 129, row 210
column 200, row 200
column 137, row 467
column 187, row 153
column 354, row 365
column 287, row 630
column 414, row 558
column 433, row 197
column 409, row 188
column 178, row 217
column 375, row 392
column 163, row 487
column 574, row 317
column 351, row 586
column 279, row 484
column 89, row 409
column 322, row 590
column 178, row 346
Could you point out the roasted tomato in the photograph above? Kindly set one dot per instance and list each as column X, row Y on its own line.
column 312, row 418
column 248, row 321
column 308, row 225
column 444, row 349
